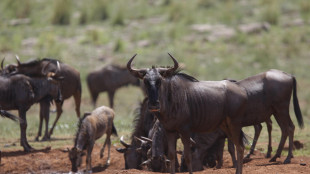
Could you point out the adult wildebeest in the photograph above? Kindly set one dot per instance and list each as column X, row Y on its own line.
column 91, row 127
column 71, row 86
column 208, row 149
column 269, row 93
column 21, row 92
column 185, row 105
column 135, row 152
column 109, row 79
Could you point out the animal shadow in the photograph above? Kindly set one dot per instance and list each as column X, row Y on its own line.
column 21, row 152
column 99, row 168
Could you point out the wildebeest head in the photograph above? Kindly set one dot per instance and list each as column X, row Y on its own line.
column 133, row 154
column 75, row 156
column 152, row 79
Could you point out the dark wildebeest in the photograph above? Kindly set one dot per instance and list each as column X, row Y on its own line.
column 21, row 92
column 91, row 127
column 71, row 86
column 258, row 128
column 208, row 149
column 269, row 93
column 185, row 105
column 109, row 79
column 135, row 152
column 158, row 152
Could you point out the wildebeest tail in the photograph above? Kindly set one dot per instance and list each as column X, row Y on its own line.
column 296, row 105
column 114, row 130
column 9, row 115
column 244, row 138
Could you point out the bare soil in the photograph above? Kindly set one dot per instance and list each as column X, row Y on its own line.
column 56, row 161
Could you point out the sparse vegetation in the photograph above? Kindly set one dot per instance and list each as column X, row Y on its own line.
column 87, row 35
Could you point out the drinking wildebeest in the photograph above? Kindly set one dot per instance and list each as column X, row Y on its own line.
column 269, row 93
column 157, row 154
column 185, row 105
column 91, row 127
column 71, row 86
column 208, row 149
column 109, row 79
column 135, row 152
column 21, row 92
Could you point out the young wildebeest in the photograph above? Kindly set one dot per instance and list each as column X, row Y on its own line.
column 71, row 86
column 208, row 149
column 21, row 92
column 91, row 127
column 136, row 152
column 185, row 105
column 109, row 79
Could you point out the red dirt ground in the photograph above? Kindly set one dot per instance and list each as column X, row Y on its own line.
column 57, row 161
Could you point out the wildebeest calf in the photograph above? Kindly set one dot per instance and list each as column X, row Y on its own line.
column 91, row 127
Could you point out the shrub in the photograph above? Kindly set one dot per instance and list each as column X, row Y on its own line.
column 62, row 12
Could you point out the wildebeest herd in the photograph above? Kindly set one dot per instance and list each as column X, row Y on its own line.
column 201, row 113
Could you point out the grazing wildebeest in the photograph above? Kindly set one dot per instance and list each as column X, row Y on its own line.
column 208, row 149
column 91, row 127
column 109, row 79
column 135, row 152
column 158, row 152
column 71, row 86
column 185, row 105
column 21, row 92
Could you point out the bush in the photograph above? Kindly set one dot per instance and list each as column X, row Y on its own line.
column 62, row 12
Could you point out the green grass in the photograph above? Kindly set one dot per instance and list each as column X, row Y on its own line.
column 100, row 32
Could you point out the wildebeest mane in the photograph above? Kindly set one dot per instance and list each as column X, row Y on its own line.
column 33, row 62
column 79, row 127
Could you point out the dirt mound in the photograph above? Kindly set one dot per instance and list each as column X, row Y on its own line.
column 57, row 161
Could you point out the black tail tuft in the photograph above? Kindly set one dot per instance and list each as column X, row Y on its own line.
column 10, row 116
column 296, row 105
column 114, row 132
column 244, row 139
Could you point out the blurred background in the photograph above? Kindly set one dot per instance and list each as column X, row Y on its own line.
column 214, row 40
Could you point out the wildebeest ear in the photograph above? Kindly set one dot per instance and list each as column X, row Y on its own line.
column 121, row 150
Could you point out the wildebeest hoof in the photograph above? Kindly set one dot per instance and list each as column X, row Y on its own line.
column 247, row 156
column 273, row 159
column 268, row 155
column 287, row 161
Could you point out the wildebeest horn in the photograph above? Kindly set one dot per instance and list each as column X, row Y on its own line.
column 2, row 63
column 142, row 141
column 146, row 139
column 146, row 162
column 135, row 72
column 168, row 71
column 193, row 142
column 17, row 59
column 58, row 66
column 123, row 142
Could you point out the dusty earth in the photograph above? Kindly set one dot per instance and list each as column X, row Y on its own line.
column 56, row 161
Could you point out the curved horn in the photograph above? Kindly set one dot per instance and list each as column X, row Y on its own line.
column 176, row 64
column 123, row 142
column 2, row 63
column 146, row 139
column 135, row 72
column 145, row 162
column 17, row 59
column 142, row 141
column 44, row 68
column 168, row 71
column 58, row 66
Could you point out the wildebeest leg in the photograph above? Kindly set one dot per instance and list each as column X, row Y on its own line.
column 88, row 158
column 107, row 140
column 187, row 151
column 40, row 123
column 59, row 112
column 44, row 111
column 23, row 129
column 94, row 97
column 231, row 150
column 171, row 150
column 77, row 99
column 269, row 128
column 219, row 153
column 258, row 129
column 111, row 98
column 287, row 128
